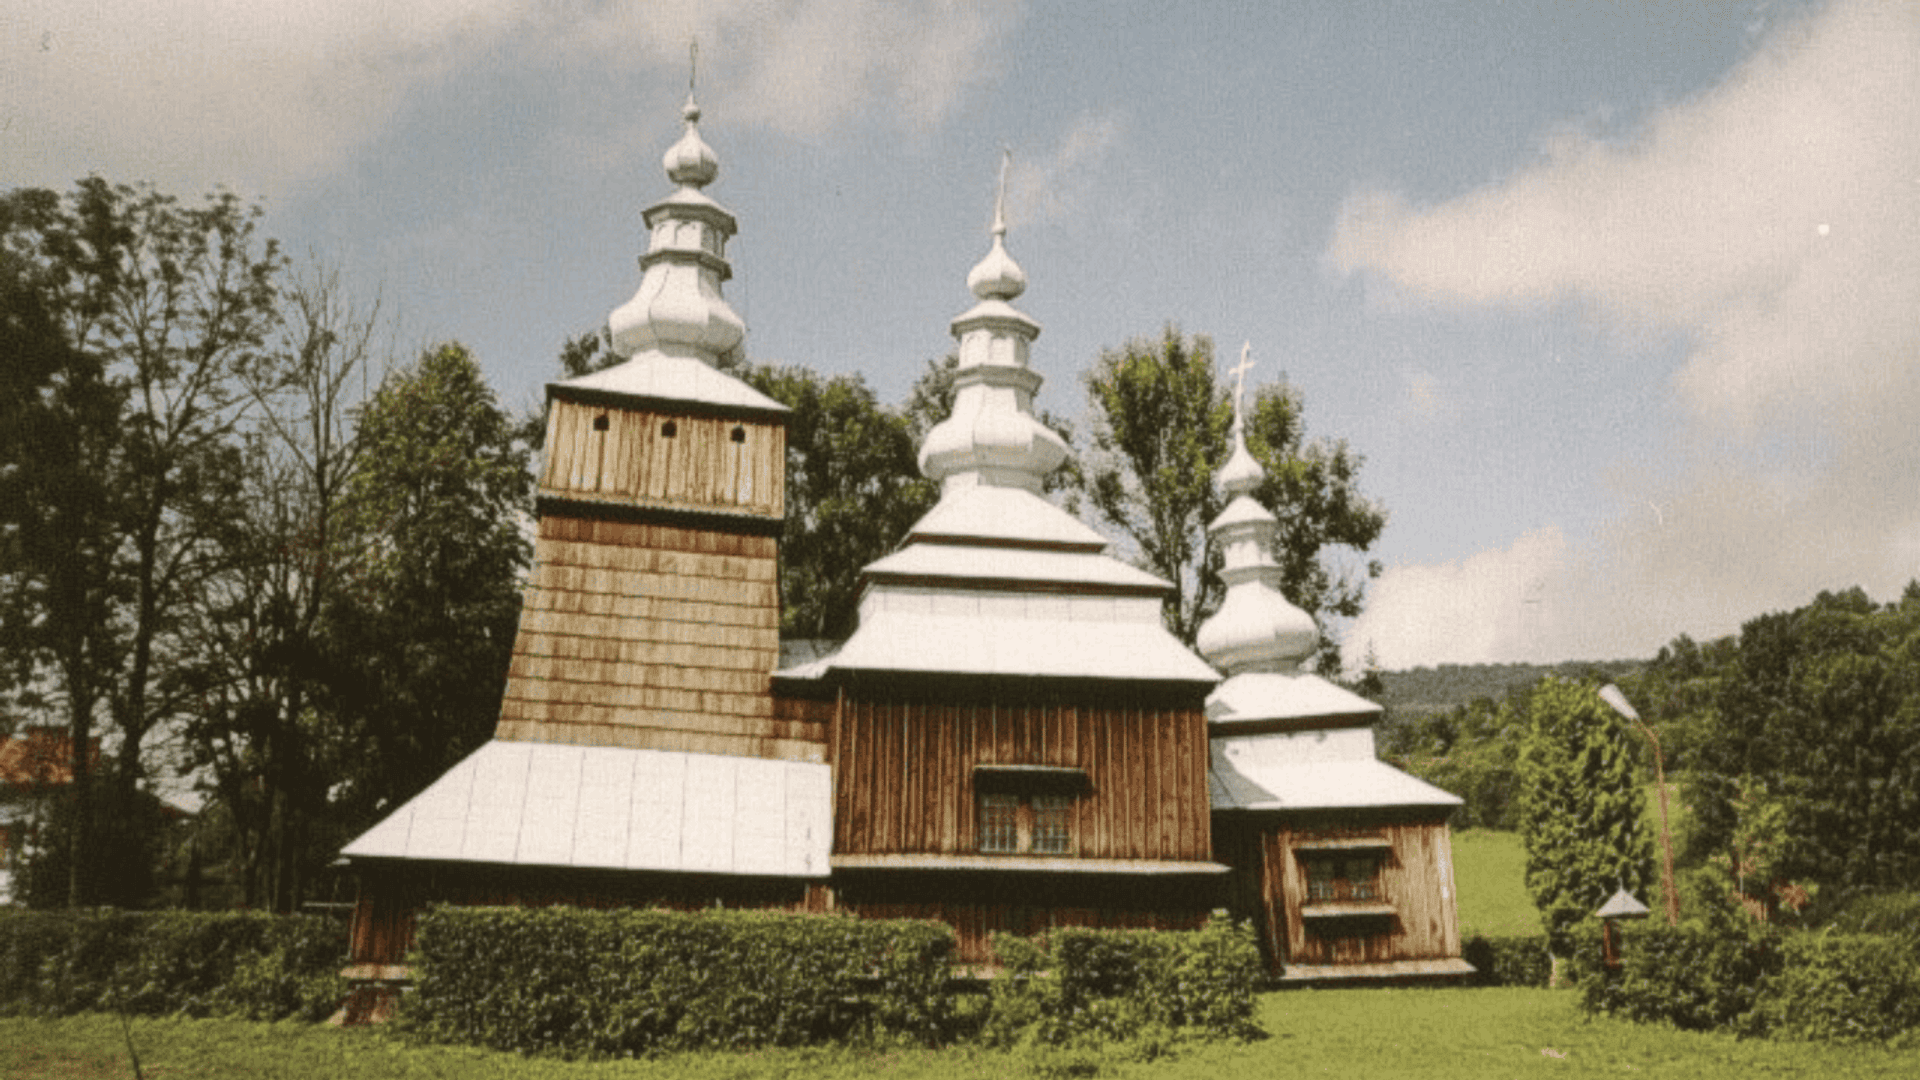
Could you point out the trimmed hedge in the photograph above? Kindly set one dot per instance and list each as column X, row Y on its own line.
column 1794, row 985
column 1125, row 985
column 1842, row 988
column 631, row 982
column 1694, row 979
column 234, row 964
column 1509, row 961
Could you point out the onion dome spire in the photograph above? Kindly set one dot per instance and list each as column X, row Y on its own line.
column 992, row 438
column 1256, row 629
column 679, row 310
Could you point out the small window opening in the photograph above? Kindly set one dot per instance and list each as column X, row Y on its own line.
column 739, row 434
column 669, row 429
column 600, row 422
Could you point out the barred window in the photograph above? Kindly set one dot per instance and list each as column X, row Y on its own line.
column 1052, row 824
column 1351, row 877
column 1000, row 823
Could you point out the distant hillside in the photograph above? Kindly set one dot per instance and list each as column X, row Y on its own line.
column 1437, row 689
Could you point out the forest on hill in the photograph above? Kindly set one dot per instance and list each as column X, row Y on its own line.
column 1449, row 686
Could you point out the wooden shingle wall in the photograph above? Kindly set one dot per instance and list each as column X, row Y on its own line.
column 653, row 637
column 904, row 772
column 643, row 458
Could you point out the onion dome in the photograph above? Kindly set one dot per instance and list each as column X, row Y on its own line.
column 678, row 310
column 1257, row 629
column 992, row 437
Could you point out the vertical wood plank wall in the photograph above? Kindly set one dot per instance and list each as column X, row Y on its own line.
column 1416, row 877
column 653, row 637
column 699, row 467
column 903, row 773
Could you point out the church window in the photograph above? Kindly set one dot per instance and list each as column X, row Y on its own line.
column 1052, row 824
column 1343, row 877
column 600, row 422
column 1000, row 823
column 669, row 429
column 739, row 434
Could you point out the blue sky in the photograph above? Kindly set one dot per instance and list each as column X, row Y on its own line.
column 1620, row 301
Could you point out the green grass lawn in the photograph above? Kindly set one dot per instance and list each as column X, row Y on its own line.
column 1372, row 1033
column 1489, row 870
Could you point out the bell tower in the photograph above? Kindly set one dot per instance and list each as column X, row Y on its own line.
column 652, row 616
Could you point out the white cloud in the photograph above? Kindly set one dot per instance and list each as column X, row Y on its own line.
column 1057, row 185
column 1774, row 223
column 1494, row 605
column 261, row 95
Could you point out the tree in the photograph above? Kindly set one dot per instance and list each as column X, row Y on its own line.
column 261, row 666
column 433, row 521
column 145, row 319
column 1580, row 807
column 1160, row 420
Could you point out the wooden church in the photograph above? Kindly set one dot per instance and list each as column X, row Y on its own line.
column 1010, row 741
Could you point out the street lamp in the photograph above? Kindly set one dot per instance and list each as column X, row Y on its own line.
column 1617, row 701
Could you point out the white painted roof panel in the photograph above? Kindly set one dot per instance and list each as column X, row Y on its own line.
column 540, row 804
column 979, row 645
column 679, row 378
column 1239, row 780
column 1007, row 514
column 1012, row 564
column 1255, row 696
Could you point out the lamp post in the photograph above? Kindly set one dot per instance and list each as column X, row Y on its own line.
column 1617, row 701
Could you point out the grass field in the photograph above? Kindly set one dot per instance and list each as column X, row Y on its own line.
column 1371, row 1033
column 1489, row 870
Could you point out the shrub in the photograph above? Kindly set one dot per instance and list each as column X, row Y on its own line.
column 638, row 982
column 1509, row 961
column 241, row 964
column 1140, row 988
column 1693, row 978
column 1842, row 987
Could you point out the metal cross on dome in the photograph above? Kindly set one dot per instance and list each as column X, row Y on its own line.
column 1239, row 373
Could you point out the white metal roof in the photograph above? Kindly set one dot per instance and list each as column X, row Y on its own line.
column 966, row 561
column 539, row 804
column 990, row 512
column 999, row 643
column 1256, row 696
column 679, row 378
column 1312, row 770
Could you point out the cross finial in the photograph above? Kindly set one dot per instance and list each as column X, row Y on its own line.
column 693, row 63
column 1239, row 373
column 1000, row 200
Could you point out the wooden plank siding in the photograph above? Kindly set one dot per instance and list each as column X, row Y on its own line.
column 599, row 452
column 1269, row 885
column 652, row 637
column 975, row 923
column 904, row 772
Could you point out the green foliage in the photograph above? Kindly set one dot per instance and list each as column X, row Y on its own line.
column 1141, row 989
column 853, row 486
column 1799, row 740
column 1159, row 421
column 133, row 327
column 1693, row 978
column 433, row 518
column 1842, row 988
column 239, row 964
column 1581, row 809
column 1509, row 961
column 1892, row 913
column 643, row 982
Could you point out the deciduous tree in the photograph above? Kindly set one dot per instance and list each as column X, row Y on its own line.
column 128, row 457
column 1159, row 419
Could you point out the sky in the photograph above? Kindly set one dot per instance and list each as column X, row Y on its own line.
column 1619, row 301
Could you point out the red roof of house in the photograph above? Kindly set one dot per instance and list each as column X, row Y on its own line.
column 40, row 757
